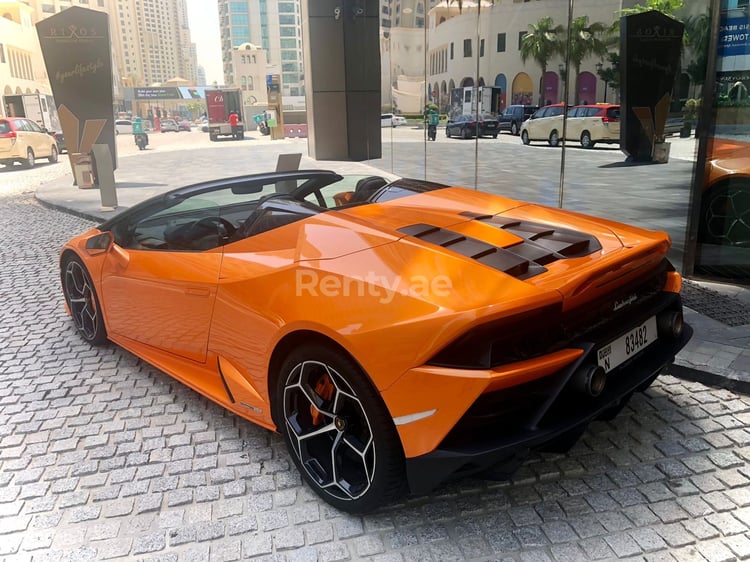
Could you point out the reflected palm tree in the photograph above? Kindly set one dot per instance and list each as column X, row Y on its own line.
column 585, row 39
column 541, row 43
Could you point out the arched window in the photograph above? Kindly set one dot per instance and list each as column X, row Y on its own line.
column 254, row 61
column 243, row 82
column 250, row 85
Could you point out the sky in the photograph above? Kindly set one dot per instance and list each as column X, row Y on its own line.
column 203, row 18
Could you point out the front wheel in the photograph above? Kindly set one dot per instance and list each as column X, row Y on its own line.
column 513, row 129
column 554, row 139
column 525, row 137
column 586, row 141
column 82, row 301
column 338, row 431
column 447, row 132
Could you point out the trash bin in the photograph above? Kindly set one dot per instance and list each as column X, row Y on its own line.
column 83, row 171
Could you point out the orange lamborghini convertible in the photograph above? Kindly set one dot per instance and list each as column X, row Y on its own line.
column 395, row 333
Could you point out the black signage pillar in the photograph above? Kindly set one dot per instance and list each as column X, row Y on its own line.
column 650, row 45
column 342, row 78
column 77, row 53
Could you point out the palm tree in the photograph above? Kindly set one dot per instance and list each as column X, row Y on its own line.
column 666, row 7
column 541, row 43
column 698, row 31
column 585, row 39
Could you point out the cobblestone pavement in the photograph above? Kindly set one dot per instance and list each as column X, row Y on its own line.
column 103, row 457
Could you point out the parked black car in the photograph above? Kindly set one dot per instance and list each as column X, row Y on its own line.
column 60, row 139
column 465, row 126
column 512, row 117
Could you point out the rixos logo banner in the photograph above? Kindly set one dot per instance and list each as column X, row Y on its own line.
column 75, row 34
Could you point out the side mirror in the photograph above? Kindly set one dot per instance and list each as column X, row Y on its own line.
column 100, row 243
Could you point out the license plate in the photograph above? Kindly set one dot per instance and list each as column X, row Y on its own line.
column 623, row 348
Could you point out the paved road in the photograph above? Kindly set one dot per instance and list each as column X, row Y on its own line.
column 102, row 456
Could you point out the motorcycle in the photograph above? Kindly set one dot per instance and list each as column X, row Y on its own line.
column 141, row 140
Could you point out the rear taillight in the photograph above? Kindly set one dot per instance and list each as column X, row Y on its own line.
column 609, row 120
column 10, row 135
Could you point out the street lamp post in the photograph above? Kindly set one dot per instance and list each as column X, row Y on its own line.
column 564, row 77
column 599, row 67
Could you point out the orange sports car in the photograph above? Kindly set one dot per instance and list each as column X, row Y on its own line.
column 395, row 333
column 725, row 208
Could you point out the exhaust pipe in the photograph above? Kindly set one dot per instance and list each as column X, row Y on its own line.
column 589, row 380
column 670, row 324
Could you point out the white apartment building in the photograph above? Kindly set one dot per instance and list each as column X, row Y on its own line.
column 251, row 66
column 22, row 69
column 150, row 38
column 272, row 25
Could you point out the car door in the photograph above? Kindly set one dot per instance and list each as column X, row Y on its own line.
column 159, row 281
column 40, row 140
column 535, row 125
column 575, row 123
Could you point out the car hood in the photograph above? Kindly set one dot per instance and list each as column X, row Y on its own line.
column 482, row 245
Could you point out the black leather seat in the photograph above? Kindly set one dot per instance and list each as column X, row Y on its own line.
column 366, row 188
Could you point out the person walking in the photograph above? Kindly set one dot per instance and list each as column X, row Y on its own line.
column 234, row 121
column 433, row 119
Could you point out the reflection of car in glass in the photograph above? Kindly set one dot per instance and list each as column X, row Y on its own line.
column 590, row 124
column 447, row 332
column 512, row 117
column 123, row 126
column 184, row 125
column 465, row 126
column 391, row 120
column 725, row 206
column 22, row 140
column 545, row 124
column 169, row 125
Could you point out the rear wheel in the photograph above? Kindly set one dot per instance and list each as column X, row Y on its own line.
column 586, row 141
column 80, row 296
column 554, row 139
column 513, row 129
column 525, row 137
column 338, row 431
column 726, row 215
column 30, row 160
column 53, row 155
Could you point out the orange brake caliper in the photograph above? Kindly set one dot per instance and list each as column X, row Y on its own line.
column 323, row 388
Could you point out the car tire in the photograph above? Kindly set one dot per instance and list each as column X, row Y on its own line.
column 82, row 300
column 447, row 132
column 494, row 136
column 525, row 137
column 335, row 442
column 30, row 159
column 586, row 141
column 513, row 129
column 725, row 215
column 53, row 155
column 554, row 139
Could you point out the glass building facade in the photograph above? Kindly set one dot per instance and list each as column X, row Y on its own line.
column 483, row 58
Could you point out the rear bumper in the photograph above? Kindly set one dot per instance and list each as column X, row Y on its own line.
column 549, row 416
